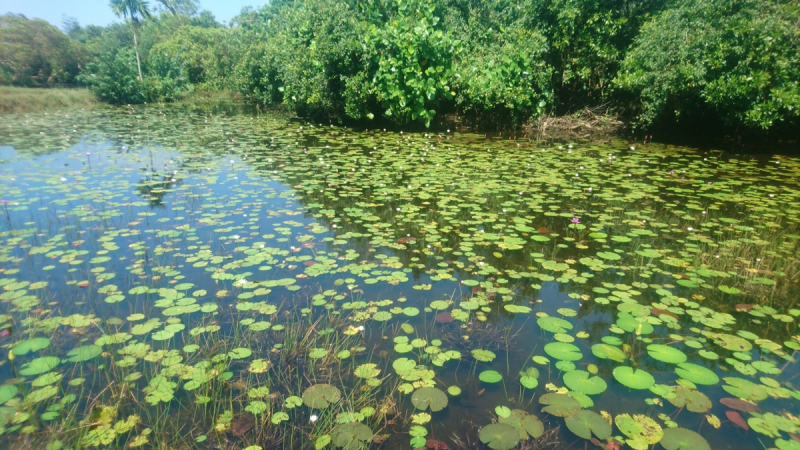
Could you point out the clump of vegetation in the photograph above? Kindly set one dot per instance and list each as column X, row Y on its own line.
column 658, row 65
column 734, row 61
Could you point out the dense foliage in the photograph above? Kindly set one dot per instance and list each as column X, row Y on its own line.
column 35, row 53
column 734, row 62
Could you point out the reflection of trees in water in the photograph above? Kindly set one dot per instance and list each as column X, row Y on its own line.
column 154, row 187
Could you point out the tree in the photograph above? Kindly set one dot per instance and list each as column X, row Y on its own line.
column 35, row 53
column 133, row 9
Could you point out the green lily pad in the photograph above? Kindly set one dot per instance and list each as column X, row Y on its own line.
column 696, row 374
column 529, row 378
column 30, row 345
column 483, row 355
column 605, row 351
column 681, row 438
column 490, row 376
column 499, row 436
column 39, row 366
column 526, row 424
column 563, row 351
column 351, row 435
column 320, row 396
column 240, row 353
column 554, row 324
column 633, row 378
column 560, row 405
column 84, row 353
column 586, row 423
column 429, row 397
column 7, row 392
column 583, row 382
column 666, row 354
column 640, row 430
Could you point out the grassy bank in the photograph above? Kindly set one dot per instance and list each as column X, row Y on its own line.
column 17, row 99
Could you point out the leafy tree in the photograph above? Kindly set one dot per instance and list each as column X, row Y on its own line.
column 738, row 61
column 133, row 9
column 35, row 53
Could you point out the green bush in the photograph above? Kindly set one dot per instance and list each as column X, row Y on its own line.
column 738, row 61
column 113, row 78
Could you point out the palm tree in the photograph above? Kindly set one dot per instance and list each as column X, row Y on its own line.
column 133, row 9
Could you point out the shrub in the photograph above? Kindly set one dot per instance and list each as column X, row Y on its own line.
column 738, row 61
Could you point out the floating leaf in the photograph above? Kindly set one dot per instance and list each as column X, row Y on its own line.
column 490, row 376
column 666, row 354
column 563, row 351
column 681, row 438
column 641, row 431
column 560, row 405
column 696, row 374
column 320, row 396
column 582, row 381
column 499, row 436
column 84, row 353
column 585, row 423
column 633, row 378
column 429, row 397
column 39, row 365
column 30, row 345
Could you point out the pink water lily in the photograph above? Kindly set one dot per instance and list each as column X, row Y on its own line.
column 576, row 220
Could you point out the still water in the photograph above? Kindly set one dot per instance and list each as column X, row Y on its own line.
column 178, row 277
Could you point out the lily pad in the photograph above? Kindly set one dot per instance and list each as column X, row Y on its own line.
column 586, row 423
column 429, row 397
column 351, row 435
column 499, row 436
column 563, row 351
column 30, row 345
column 490, row 376
column 665, row 353
column 560, row 405
column 640, row 430
column 681, row 438
column 84, row 353
column 583, row 382
column 39, row 366
column 633, row 378
column 320, row 396
column 696, row 374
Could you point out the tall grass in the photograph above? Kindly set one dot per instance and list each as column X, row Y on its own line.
column 19, row 100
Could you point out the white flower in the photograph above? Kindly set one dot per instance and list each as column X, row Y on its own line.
column 236, row 236
column 63, row 179
column 242, row 281
column 313, row 418
column 690, row 228
column 361, row 328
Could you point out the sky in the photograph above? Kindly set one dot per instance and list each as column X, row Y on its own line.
column 97, row 12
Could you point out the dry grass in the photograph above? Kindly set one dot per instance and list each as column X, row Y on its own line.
column 585, row 124
column 19, row 100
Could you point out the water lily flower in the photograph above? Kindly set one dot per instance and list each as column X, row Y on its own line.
column 313, row 418
column 576, row 220
column 5, row 202
column 242, row 281
column 63, row 179
column 361, row 328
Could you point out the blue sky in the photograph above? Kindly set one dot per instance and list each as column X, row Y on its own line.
column 97, row 12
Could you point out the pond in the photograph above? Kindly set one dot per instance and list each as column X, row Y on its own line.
column 178, row 277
